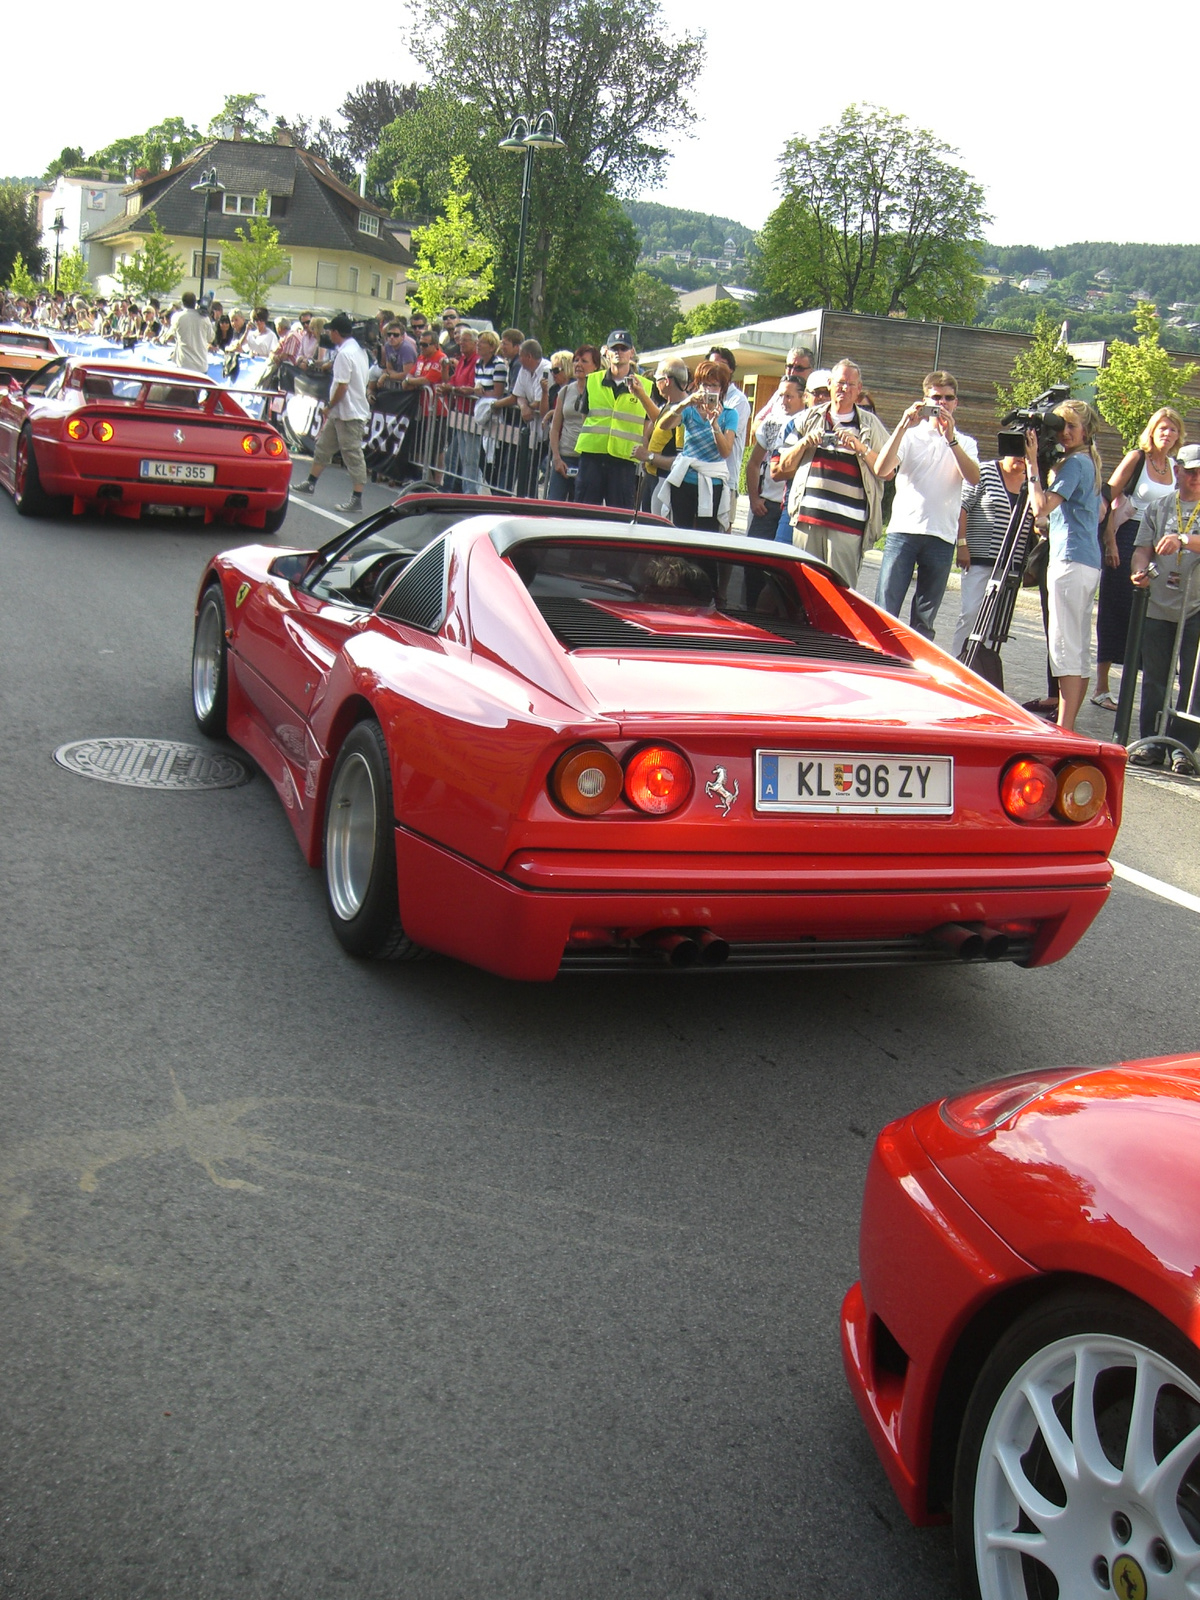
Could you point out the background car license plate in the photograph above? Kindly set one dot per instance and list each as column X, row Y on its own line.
column 178, row 472
column 875, row 785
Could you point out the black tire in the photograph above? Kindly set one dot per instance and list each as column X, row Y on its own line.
column 274, row 520
column 210, row 664
column 1036, row 1351
column 30, row 498
column 359, row 854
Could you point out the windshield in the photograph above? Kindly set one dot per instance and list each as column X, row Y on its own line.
column 112, row 386
column 19, row 340
column 360, row 570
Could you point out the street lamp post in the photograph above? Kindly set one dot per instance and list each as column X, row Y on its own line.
column 57, row 225
column 524, row 138
column 207, row 185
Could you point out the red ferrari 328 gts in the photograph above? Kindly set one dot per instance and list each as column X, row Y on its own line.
column 118, row 436
column 1023, row 1341
column 548, row 743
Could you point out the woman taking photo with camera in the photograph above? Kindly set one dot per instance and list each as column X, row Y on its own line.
column 1072, row 502
column 698, row 478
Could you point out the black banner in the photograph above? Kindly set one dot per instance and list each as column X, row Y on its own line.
column 387, row 444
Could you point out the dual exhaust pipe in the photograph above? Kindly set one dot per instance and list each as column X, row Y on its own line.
column 688, row 947
column 971, row 941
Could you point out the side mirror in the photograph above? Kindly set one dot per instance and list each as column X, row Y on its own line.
column 292, row 565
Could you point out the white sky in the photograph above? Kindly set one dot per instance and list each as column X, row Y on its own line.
column 984, row 78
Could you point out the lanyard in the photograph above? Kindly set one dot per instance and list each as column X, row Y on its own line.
column 1185, row 533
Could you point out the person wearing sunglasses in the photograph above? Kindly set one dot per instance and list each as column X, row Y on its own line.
column 616, row 405
column 932, row 460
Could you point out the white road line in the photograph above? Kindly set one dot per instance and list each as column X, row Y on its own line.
column 1165, row 891
column 303, row 500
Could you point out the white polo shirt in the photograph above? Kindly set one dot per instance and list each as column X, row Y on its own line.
column 929, row 483
column 351, row 366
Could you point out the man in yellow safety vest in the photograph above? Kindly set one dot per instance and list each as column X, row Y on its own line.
column 616, row 406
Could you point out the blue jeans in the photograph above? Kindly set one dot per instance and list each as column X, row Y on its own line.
column 932, row 558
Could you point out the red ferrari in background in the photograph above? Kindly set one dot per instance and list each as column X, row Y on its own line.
column 24, row 351
column 119, row 436
column 1023, row 1341
column 557, row 742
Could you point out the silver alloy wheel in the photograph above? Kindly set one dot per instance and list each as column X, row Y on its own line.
column 206, row 658
column 350, row 836
column 1047, row 1489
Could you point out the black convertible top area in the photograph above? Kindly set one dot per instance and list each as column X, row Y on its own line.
column 507, row 533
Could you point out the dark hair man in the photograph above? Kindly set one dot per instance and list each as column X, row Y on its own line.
column 346, row 415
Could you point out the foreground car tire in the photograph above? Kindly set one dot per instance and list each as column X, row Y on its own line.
column 30, row 498
column 360, row 851
column 274, row 520
column 210, row 665
column 1078, row 1467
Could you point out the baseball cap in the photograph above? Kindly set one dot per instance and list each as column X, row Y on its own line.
column 1189, row 457
column 822, row 378
column 619, row 336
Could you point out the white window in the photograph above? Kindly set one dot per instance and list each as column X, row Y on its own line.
column 374, row 286
column 245, row 205
column 287, row 271
column 353, row 273
column 368, row 222
column 212, row 266
column 326, row 274
column 391, row 284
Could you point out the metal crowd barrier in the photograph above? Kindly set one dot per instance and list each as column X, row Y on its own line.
column 461, row 446
column 1185, row 707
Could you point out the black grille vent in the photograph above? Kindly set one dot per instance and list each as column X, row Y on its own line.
column 418, row 597
column 582, row 626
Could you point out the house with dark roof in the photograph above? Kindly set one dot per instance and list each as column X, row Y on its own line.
column 342, row 254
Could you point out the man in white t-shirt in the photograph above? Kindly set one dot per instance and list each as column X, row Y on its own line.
column 192, row 331
column 346, row 415
column 933, row 461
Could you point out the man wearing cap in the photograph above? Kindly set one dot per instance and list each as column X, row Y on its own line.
column 1169, row 538
column 616, row 404
column 346, row 415
column 835, row 504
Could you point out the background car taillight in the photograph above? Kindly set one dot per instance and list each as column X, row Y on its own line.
column 1028, row 789
column 1081, row 791
column 982, row 1110
column 251, row 444
column 275, row 445
column 586, row 780
column 77, row 428
column 657, row 780
column 102, row 431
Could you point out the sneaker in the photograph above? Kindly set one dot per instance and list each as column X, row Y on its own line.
column 353, row 504
column 1146, row 758
column 1182, row 765
column 309, row 486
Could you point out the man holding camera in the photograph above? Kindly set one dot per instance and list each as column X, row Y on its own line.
column 932, row 461
column 836, row 499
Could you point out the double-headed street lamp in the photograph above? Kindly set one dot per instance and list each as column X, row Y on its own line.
column 524, row 138
column 207, row 185
column 57, row 226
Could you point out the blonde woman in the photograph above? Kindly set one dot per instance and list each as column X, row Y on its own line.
column 1145, row 475
column 1072, row 503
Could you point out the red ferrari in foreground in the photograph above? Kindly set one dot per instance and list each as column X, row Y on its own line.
column 560, row 742
column 119, row 436
column 1023, row 1342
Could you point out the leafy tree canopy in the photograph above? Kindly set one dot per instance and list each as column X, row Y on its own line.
column 154, row 270
column 1141, row 377
column 163, row 145
column 1044, row 364
column 258, row 262
column 19, row 233
column 453, row 261
column 656, row 311
column 241, row 112
column 712, row 317
column 20, row 280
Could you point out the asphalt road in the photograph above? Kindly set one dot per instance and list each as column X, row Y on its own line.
column 320, row 1279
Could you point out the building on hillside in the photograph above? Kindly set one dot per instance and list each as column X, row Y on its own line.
column 86, row 204
column 1105, row 275
column 1036, row 283
column 343, row 255
column 714, row 291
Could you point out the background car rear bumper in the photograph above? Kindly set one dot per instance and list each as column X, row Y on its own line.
column 452, row 905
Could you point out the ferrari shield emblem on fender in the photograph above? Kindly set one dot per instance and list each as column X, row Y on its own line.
column 1128, row 1579
column 243, row 591
column 719, row 792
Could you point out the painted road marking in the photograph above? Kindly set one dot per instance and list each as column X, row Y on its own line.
column 1165, row 891
column 303, row 500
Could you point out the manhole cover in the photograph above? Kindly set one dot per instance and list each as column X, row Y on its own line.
column 151, row 764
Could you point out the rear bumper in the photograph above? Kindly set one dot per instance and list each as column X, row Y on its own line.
column 253, row 494
column 811, row 915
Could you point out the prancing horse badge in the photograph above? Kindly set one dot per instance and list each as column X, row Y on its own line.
column 719, row 792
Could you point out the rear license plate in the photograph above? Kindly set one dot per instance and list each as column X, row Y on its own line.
column 178, row 472
column 872, row 785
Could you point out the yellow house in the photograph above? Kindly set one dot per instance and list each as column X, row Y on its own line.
column 343, row 254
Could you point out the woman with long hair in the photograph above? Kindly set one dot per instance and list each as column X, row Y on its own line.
column 1072, row 502
column 709, row 431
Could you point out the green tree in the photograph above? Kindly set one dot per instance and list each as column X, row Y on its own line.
column 876, row 218
column 154, row 270
column 1139, row 378
column 20, row 280
column 161, row 146
column 69, row 156
column 73, row 273
column 712, row 317
column 241, row 113
column 255, row 265
column 453, row 260
column 1047, row 362
column 19, row 231
column 655, row 311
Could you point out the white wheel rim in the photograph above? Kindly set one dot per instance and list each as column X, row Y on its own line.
column 206, row 659
column 1155, row 1550
column 350, row 837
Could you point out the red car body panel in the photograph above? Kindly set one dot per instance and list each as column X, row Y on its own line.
column 1098, row 1178
column 24, row 351
column 476, row 714
column 152, row 425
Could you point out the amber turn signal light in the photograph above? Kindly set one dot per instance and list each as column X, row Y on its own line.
column 1081, row 791
column 1028, row 789
column 77, row 428
column 657, row 780
column 274, row 445
column 251, row 444
column 102, row 431
column 586, row 780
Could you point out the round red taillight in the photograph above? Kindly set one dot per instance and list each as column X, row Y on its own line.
column 586, row 780
column 1081, row 791
column 657, row 780
column 102, row 431
column 274, row 445
column 1028, row 789
column 77, row 428
column 251, row 444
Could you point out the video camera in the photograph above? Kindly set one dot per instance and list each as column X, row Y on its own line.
column 1037, row 417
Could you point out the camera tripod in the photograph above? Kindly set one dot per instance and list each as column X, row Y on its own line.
column 982, row 650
